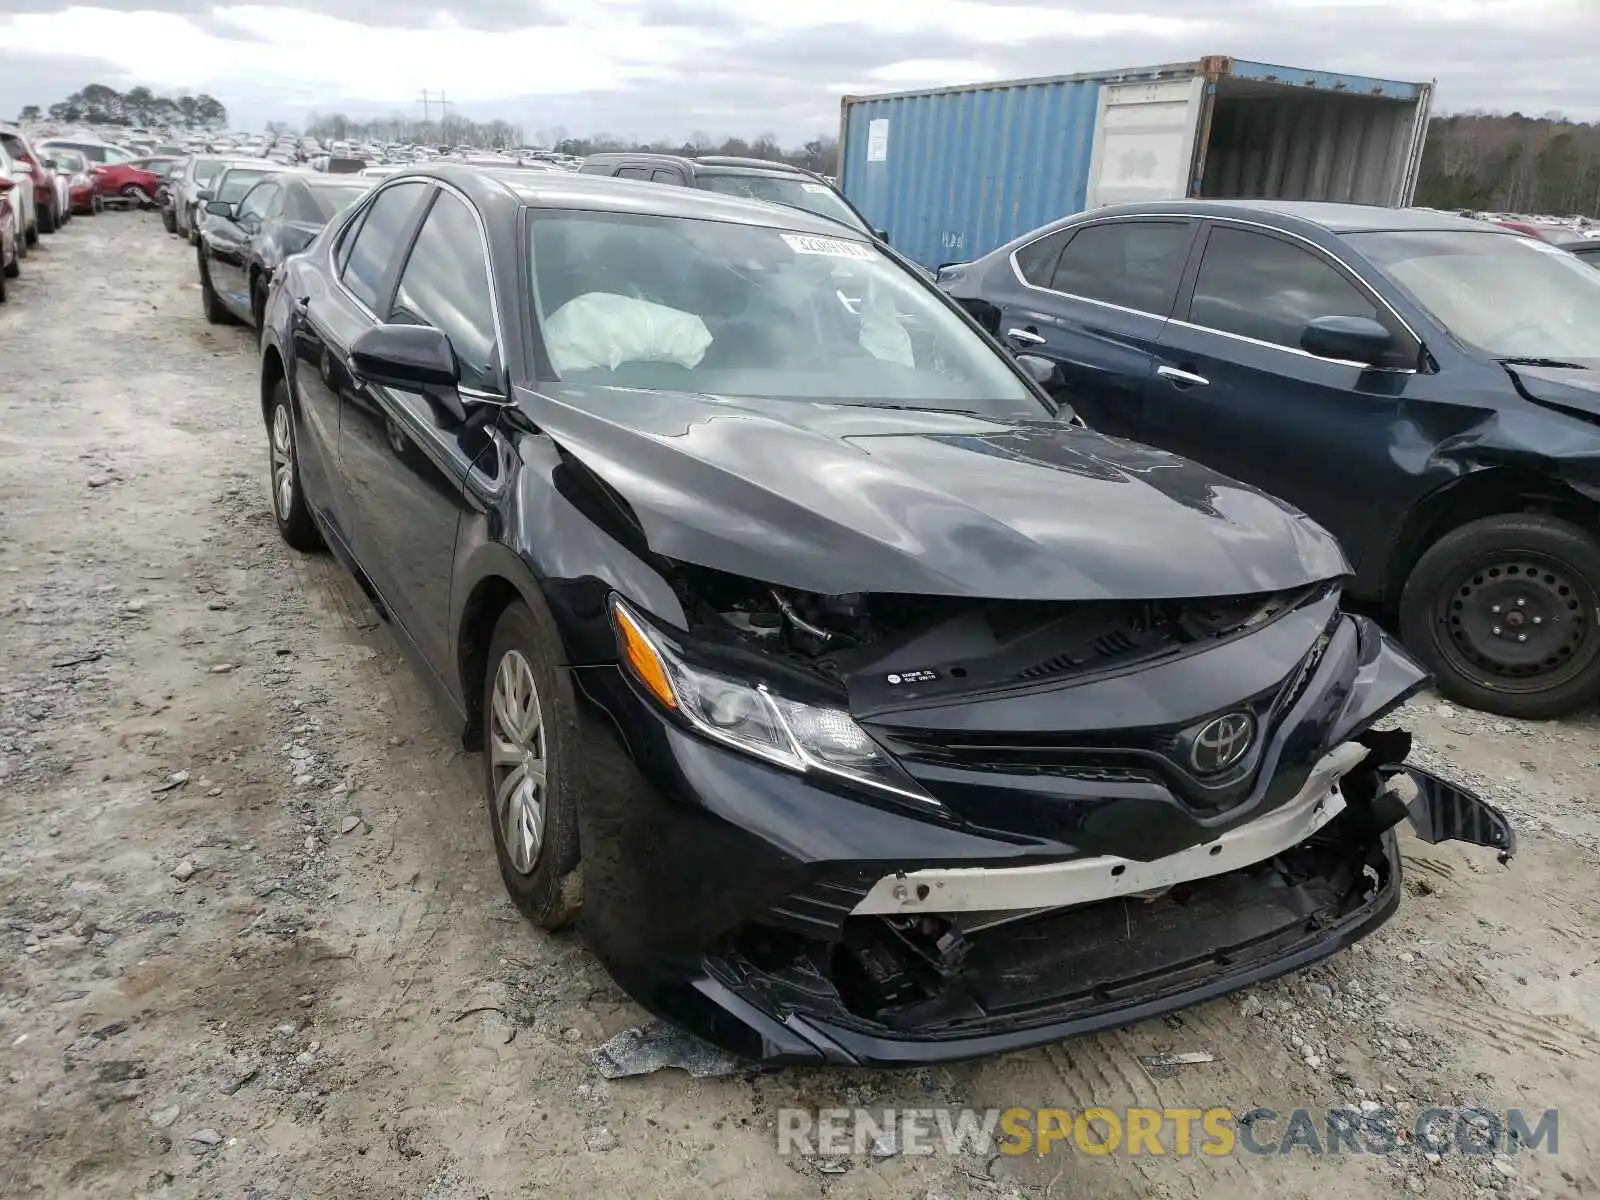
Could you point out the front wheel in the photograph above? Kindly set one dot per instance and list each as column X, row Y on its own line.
column 295, row 523
column 1504, row 612
column 529, row 762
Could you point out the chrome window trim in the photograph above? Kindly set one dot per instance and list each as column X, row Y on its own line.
column 483, row 241
column 1361, row 285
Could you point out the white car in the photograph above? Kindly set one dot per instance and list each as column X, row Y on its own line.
column 20, row 199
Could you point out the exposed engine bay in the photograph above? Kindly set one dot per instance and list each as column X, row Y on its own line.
column 961, row 645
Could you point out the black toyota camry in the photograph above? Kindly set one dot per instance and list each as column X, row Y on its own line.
column 867, row 707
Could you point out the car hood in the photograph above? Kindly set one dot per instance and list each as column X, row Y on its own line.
column 838, row 498
column 1572, row 389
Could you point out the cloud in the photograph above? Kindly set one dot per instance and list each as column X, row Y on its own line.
column 662, row 68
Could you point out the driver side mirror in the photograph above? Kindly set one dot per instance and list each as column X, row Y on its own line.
column 205, row 195
column 219, row 208
column 410, row 358
column 1355, row 339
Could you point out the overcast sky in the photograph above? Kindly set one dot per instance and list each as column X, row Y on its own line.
column 664, row 68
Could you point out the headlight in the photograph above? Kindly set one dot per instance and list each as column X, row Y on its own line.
column 792, row 734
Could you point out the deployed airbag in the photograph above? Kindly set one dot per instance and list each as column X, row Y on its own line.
column 605, row 330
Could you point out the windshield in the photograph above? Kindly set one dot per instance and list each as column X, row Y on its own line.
column 792, row 190
column 237, row 182
column 330, row 200
column 680, row 304
column 1510, row 296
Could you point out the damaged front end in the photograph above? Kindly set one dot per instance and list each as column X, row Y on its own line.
column 891, row 830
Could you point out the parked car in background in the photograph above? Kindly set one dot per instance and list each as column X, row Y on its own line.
column 1587, row 250
column 42, row 198
column 1423, row 385
column 871, row 771
column 243, row 244
column 20, row 199
column 10, row 236
column 752, row 178
column 198, row 175
column 99, row 153
column 84, row 195
column 137, row 181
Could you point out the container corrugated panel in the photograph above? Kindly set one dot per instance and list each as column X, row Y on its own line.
column 954, row 172
column 967, row 170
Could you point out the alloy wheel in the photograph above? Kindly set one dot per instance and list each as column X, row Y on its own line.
column 282, row 463
column 517, row 760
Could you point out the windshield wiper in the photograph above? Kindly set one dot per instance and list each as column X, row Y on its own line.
column 1556, row 363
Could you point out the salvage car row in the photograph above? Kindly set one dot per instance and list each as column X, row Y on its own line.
column 823, row 660
column 44, row 184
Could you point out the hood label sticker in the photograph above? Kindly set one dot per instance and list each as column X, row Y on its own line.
column 911, row 677
column 802, row 243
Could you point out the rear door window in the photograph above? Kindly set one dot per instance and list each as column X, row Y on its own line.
column 1037, row 260
column 633, row 172
column 373, row 247
column 1132, row 264
column 1267, row 288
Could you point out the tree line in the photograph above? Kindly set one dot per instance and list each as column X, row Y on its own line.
column 98, row 104
column 819, row 154
column 1546, row 165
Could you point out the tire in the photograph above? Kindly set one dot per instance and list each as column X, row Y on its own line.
column 295, row 523
column 1503, row 612
column 32, row 236
column 548, row 890
column 168, row 221
column 48, row 222
column 3, row 275
column 216, row 314
column 258, row 302
column 14, row 267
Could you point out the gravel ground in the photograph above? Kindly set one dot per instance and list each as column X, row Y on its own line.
column 253, row 943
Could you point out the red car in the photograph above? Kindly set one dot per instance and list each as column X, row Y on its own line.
column 83, row 188
column 136, row 182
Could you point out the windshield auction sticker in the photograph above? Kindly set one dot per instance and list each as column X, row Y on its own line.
column 802, row 243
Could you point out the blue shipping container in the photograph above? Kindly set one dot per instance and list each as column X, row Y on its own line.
column 952, row 173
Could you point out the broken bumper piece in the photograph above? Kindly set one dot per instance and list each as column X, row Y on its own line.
column 790, row 922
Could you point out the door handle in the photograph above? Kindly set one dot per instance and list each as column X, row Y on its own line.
column 1028, row 337
column 1181, row 378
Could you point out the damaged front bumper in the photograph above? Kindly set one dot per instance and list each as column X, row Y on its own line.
column 789, row 920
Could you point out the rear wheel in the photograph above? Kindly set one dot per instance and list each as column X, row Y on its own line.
column 168, row 221
column 48, row 222
column 14, row 267
column 295, row 523
column 1504, row 612
column 32, row 236
column 530, row 740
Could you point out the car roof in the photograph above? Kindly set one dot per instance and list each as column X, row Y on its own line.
column 602, row 193
column 1335, row 218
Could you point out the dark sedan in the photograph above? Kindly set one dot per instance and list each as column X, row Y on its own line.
column 1423, row 385
column 243, row 243
column 849, row 688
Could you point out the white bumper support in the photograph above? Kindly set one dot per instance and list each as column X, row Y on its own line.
column 1086, row 880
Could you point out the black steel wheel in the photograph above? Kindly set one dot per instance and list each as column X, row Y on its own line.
column 1506, row 612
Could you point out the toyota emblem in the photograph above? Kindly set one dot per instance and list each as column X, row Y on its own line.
column 1222, row 743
